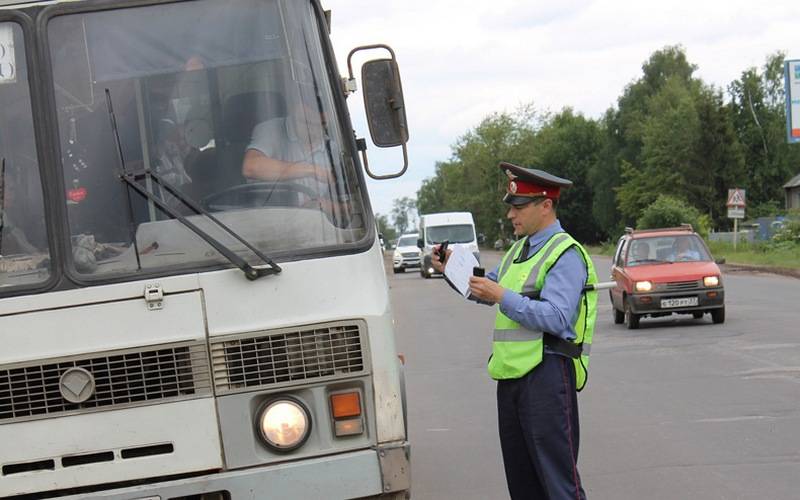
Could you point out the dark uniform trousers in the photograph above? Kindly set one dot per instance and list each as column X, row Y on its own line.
column 538, row 423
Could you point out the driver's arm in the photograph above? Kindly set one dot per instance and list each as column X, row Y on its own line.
column 259, row 166
column 263, row 156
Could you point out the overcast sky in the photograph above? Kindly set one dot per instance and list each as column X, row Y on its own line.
column 462, row 60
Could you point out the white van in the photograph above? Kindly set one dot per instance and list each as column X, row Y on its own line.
column 456, row 227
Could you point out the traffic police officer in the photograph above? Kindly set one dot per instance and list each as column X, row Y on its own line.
column 542, row 337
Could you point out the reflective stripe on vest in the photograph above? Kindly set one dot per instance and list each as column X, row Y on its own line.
column 517, row 350
column 517, row 335
column 506, row 260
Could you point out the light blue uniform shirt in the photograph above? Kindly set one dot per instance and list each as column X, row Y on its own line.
column 558, row 306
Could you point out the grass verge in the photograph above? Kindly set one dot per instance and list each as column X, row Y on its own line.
column 758, row 254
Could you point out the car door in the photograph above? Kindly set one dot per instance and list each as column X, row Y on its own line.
column 617, row 273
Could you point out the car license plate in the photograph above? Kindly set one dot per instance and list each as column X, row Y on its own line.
column 682, row 302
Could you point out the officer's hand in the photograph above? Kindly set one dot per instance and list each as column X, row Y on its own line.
column 437, row 264
column 486, row 289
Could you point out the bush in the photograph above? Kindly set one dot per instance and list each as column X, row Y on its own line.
column 668, row 211
column 789, row 234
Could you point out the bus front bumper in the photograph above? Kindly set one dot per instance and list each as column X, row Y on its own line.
column 365, row 473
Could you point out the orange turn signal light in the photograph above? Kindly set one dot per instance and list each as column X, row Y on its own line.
column 346, row 404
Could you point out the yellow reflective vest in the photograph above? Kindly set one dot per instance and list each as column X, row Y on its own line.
column 516, row 350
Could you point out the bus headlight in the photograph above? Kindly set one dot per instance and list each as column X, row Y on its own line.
column 284, row 424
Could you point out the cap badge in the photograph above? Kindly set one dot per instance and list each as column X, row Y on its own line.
column 512, row 186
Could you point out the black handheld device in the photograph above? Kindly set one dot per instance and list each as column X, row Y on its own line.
column 479, row 272
column 442, row 253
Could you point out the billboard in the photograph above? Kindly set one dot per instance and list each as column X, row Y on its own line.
column 792, row 72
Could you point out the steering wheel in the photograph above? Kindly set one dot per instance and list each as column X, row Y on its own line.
column 258, row 194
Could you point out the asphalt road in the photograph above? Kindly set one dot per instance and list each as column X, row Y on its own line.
column 680, row 409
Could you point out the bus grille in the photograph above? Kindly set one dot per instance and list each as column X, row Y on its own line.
column 286, row 356
column 122, row 379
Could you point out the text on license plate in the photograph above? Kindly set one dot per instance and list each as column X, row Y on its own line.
column 681, row 302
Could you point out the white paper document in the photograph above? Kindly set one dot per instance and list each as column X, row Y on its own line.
column 459, row 269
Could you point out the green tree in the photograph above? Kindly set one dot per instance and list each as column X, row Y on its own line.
column 404, row 213
column 668, row 139
column 387, row 230
column 628, row 128
column 470, row 180
column 669, row 211
column 689, row 147
column 759, row 118
column 567, row 145
column 604, row 176
column 721, row 160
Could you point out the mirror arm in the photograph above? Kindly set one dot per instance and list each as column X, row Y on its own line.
column 378, row 177
column 365, row 47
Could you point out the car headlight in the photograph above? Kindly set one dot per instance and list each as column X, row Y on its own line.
column 284, row 424
column 643, row 286
column 711, row 281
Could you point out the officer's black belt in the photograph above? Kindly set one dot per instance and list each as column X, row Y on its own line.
column 554, row 342
column 560, row 346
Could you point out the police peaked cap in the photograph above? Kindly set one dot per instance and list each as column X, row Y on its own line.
column 527, row 184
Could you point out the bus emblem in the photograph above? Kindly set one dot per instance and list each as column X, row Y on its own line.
column 76, row 385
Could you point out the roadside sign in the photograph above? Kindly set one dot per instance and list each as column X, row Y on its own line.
column 736, row 198
column 736, row 212
column 792, row 74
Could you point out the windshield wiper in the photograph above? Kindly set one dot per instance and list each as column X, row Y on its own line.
column 251, row 272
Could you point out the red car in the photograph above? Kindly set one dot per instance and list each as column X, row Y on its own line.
column 665, row 271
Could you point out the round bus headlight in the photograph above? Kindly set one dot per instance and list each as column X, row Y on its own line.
column 284, row 424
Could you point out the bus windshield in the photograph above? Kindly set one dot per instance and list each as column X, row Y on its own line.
column 24, row 255
column 225, row 104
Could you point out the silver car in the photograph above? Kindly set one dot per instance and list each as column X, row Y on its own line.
column 406, row 253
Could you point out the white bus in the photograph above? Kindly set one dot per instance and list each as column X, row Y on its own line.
column 176, row 322
column 458, row 228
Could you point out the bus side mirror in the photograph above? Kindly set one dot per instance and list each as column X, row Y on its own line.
column 481, row 239
column 384, row 104
column 383, row 99
column 420, row 243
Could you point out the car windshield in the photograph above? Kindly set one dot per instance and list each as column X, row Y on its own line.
column 660, row 249
column 229, row 106
column 459, row 233
column 24, row 254
column 407, row 241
